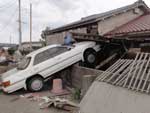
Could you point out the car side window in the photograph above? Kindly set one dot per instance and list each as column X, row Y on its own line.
column 50, row 53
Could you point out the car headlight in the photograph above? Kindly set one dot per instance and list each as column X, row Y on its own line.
column 6, row 83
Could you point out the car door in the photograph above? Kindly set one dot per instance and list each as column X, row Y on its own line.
column 41, row 61
column 65, row 59
column 46, row 62
column 60, row 55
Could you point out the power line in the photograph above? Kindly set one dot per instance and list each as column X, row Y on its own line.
column 7, row 5
column 9, row 21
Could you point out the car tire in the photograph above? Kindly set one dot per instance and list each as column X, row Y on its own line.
column 35, row 84
column 90, row 57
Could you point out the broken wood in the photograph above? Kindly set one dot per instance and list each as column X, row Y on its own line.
column 59, row 103
column 131, row 74
column 106, row 61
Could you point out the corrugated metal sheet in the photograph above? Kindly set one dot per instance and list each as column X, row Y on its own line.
column 140, row 24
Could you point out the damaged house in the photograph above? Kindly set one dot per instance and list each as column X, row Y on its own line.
column 104, row 24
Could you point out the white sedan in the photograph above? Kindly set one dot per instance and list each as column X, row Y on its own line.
column 39, row 65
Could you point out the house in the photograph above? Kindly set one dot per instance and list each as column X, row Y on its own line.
column 136, row 31
column 99, row 24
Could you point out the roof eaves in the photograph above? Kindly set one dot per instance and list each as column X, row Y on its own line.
column 129, row 34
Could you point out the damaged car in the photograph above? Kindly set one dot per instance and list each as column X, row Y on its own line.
column 38, row 66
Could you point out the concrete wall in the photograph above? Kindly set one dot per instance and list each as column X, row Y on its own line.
column 77, row 73
column 106, row 98
column 58, row 38
column 116, row 21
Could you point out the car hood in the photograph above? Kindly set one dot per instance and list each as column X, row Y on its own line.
column 9, row 73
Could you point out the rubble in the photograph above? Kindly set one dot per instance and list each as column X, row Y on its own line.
column 52, row 101
column 60, row 103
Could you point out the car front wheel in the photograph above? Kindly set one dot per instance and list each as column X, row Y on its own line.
column 90, row 57
column 35, row 84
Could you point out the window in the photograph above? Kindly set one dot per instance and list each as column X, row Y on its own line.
column 50, row 53
column 24, row 63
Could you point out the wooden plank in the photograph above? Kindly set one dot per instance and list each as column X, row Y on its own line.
column 124, row 73
column 122, row 81
column 147, row 64
column 119, row 70
column 108, row 70
column 106, row 61
column 129, row 74
column 115, row 68
column 140, row 70
column 144, row 85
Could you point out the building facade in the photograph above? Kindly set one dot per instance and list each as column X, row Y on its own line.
column 98, row 24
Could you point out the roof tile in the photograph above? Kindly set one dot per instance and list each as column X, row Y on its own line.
column 139, row 24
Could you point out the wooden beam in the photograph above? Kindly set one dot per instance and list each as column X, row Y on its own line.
column 106, row 61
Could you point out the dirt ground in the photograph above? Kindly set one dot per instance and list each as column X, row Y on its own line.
column 10, row 103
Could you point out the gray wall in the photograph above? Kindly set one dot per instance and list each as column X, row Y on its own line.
column 106, row 98
column 58, row 38
column 77, row 73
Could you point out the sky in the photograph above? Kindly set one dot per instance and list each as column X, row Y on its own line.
column 48, row 13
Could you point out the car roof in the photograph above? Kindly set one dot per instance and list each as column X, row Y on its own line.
column 84, row 42
column 42, row 49
column 55, row 45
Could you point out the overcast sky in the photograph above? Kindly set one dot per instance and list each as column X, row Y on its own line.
column 52, row 13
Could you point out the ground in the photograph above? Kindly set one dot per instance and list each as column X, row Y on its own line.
column 13, row 103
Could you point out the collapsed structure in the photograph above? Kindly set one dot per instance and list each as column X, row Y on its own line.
column 130, row 84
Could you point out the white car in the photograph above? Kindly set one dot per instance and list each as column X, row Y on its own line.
column 39, row 65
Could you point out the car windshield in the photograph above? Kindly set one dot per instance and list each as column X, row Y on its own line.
column 23, row 63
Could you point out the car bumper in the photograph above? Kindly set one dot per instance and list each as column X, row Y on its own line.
column 13, row 88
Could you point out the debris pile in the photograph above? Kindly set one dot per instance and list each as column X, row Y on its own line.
column 45, row 102
column 60, row 103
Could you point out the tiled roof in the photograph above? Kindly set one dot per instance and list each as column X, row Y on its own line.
column 140, row 24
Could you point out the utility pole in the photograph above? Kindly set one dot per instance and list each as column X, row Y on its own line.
column 20, row 29
column 10, row 39
column 30, row 26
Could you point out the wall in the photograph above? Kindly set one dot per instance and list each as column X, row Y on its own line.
column 77, row 73
column 116, row 21
column 105, row 98
column 58, row 38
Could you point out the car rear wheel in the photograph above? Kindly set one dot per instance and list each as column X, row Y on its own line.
column 90, row 57
column 35, row 84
